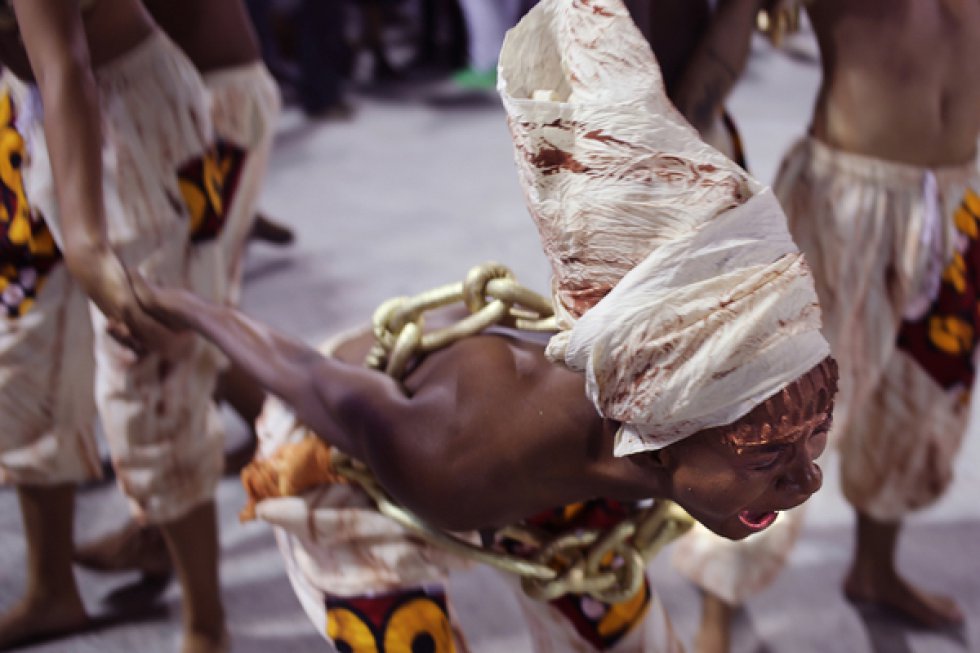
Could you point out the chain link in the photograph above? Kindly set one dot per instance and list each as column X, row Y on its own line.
column 607, row 565
column 781, row 19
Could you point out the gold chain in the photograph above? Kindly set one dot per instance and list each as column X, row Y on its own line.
column 607, row 565
column 781, row 19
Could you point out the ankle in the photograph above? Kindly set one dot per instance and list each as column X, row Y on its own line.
column 211, row 625
column 198, row 640
column 54, row 595
column 878, row 573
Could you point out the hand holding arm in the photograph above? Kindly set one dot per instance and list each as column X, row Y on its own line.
column 320, row 390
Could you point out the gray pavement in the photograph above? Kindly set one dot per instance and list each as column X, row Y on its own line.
column 408, row 195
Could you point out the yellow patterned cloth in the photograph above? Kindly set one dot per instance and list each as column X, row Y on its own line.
column 245, row 105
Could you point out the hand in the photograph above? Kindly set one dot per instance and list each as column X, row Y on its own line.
column 107, row 284
column 166, row 305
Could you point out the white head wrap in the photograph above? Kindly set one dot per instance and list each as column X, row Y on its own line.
column 679, row 291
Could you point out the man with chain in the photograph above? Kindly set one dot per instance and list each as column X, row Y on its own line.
column 686, row 364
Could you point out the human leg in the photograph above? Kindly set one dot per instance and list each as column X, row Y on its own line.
column 878, row 236
column 322, row 49
column 269, row 230
column 898, row 457
column 727, row 573
column 730, row 573
column 245, row 104
column 245, row 107
column 193, row 544
column 715, row 630
column 487, row 22
column 817, row 191
column 47, row 444
column 874, row 578
column 134, row 547
column 165, row 434
column 51, row 605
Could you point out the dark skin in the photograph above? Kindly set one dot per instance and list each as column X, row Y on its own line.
column 881, row 96
column 58, row 46
column 705, row 61
column 216, row 35
column 551, row 450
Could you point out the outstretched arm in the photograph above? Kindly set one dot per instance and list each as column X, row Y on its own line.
column 461, row 445
column 333, row 398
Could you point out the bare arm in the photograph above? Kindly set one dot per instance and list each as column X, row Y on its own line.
column 54, row 37
column 717, row 63
column 456, row 447
column 337, row 400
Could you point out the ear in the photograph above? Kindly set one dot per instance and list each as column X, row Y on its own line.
column 658, row 460
column 654, row 471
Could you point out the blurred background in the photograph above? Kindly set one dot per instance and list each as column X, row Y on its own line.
column 393, row 166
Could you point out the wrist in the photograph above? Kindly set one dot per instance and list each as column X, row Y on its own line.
column 85, row 258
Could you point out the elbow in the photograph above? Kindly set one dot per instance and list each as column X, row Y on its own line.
column 457, row 521
column 433, row 488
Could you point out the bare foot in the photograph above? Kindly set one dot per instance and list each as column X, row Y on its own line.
column 199, row 642
column 37, row 620
column 714, row 634
column 132, row 548
column 891, row 591
column 271, row 231
column 238, row 459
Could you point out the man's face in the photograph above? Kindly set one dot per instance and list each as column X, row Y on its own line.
column 739, row 490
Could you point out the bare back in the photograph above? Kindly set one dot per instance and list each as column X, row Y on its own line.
column 901, row 78
column 543, row 444
column 113, row 27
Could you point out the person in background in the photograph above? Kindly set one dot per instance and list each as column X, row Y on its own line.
column 883, row 197
column 245, row 105
column 106, row 124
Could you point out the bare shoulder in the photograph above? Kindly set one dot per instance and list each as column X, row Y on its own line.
column 492, row 372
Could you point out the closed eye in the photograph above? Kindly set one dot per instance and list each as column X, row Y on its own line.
column 765, row 458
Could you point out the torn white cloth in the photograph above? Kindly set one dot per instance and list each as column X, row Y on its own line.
column 680, row 293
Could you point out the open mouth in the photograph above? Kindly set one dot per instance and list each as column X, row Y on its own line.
column 757, row 521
